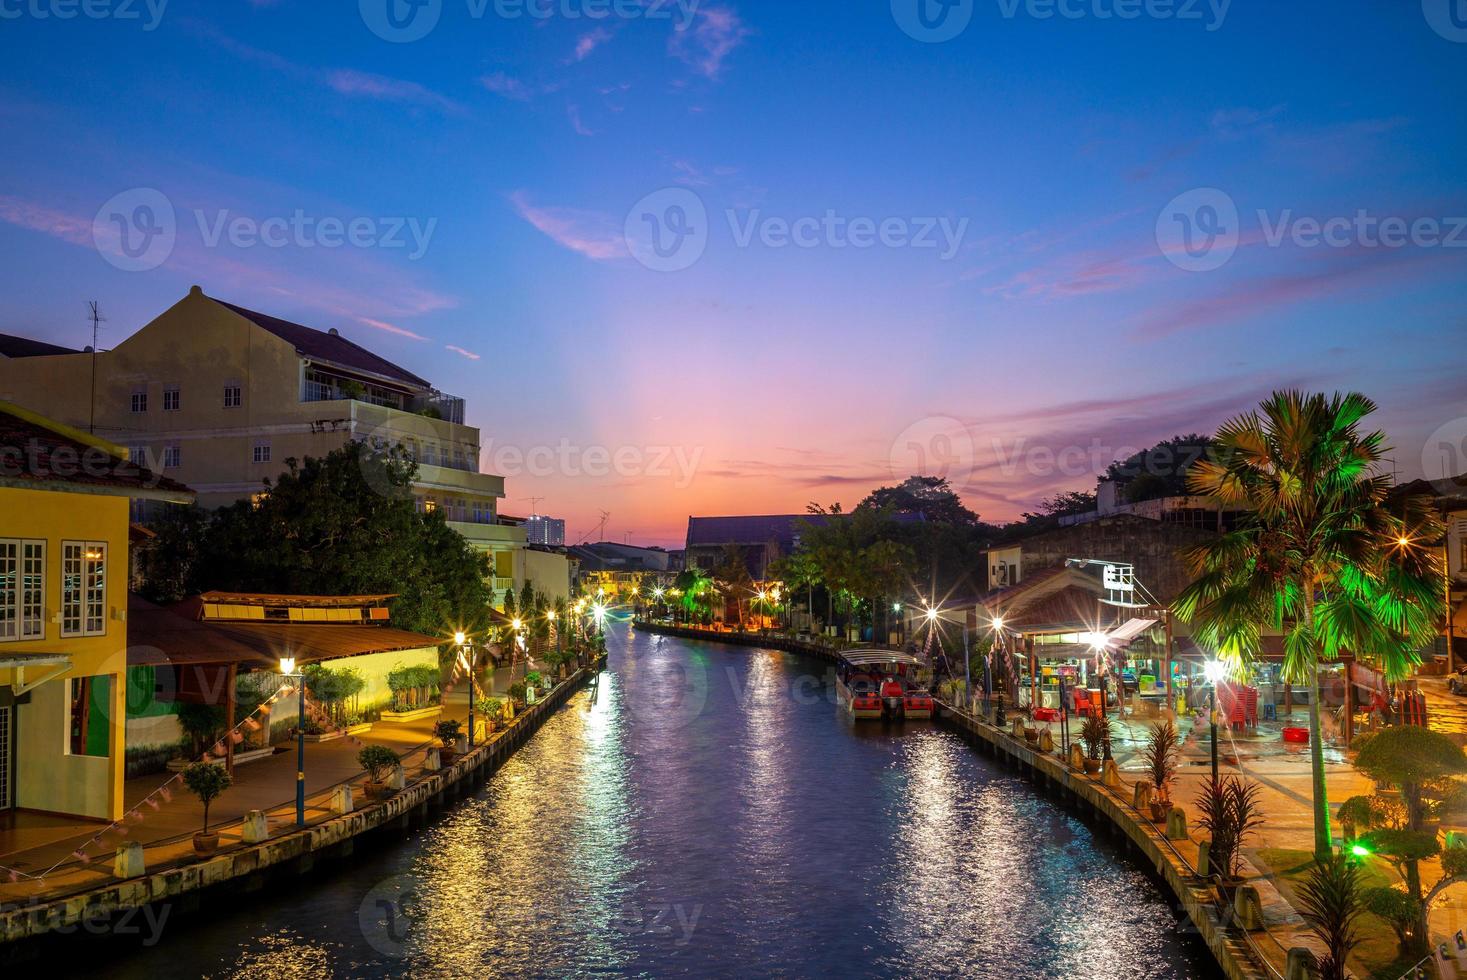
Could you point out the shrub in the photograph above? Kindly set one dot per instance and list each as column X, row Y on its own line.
column 448, row 731
column 206, row 781
column 1229, row 813
column 1095, row 733
column 1330, row 900
column 1397, row 909
column 376, row 760
column 1160, row 756
column 517, row 691
column 534, row 679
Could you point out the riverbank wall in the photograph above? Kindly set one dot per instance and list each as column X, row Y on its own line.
column 1107, row 808
column 27, row 929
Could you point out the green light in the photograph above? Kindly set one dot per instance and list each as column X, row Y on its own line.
column 1359, row 850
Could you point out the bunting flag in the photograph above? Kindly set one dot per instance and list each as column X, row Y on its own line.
column 80, row 856
column 152, row 803
column 236, row 737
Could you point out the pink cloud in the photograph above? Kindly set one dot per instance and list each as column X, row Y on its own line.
column 590, row 41
column 503, row 85
column 591, row 234
column 390, row 328
column 345, row 81
column 714, row 33
column 461, row 352
column 574, row 114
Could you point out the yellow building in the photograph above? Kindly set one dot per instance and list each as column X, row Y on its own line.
column 219, row 396
column 63, row 613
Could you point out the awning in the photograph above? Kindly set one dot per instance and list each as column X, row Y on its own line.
column 1123, row 635
column 865, row 658
column 10, row 661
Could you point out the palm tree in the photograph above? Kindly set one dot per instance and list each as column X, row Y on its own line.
column 1321, row 556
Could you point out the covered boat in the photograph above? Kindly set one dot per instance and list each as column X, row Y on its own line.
column 874, row 683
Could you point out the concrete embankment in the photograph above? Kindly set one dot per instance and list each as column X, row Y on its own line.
column 1107, row 808
column 26, row 928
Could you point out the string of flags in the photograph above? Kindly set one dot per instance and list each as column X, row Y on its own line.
column 119, row 828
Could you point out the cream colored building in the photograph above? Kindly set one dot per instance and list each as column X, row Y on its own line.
column 218, row 397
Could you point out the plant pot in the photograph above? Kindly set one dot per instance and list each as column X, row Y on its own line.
column 1092, row 766
column 205, row 844
column 1031, row 735
column 376, row 789
column 446, row 757
column 1159, row 810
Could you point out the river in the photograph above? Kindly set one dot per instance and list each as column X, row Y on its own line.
column 705, row 811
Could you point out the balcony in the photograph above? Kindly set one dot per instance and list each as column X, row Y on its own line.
column 486, row 535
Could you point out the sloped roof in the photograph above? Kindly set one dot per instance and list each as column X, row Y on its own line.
column 757, row 529
column 13, row 346
column 324, row 345
column 45, row 455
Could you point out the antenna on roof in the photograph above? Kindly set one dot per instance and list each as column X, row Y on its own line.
column 598, row 530
column 95, row 315
column 534, row 505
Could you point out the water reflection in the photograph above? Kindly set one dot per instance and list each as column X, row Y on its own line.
column 707, row 811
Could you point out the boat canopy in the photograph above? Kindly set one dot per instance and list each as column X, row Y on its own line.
column 868, row 657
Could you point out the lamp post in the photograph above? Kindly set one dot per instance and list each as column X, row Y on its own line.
column 287, row 669
column 1213, row 670
column 466, row 644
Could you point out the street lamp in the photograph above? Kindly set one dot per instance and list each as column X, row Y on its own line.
column 464, row 643
column 1214, row 671
column 287, row 669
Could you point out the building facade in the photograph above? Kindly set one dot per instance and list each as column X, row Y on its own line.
column 64, row 502
column 540, row 529
column 218, row 397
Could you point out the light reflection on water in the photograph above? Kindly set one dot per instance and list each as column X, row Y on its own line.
column 705, row 812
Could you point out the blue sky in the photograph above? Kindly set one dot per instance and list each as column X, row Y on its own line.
column 1043, row 154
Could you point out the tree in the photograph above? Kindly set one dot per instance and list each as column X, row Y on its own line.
column 1161, row 470
column 733, row 576
column 1319, row 557
column 207, row 781
column 927, row 497
column 1425, row 768
column 342, row 524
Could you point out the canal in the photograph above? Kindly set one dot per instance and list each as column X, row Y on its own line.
column 705, row 811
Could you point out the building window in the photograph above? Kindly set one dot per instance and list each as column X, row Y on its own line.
column 262, row 452
column 170, row 398
column 138, row 456
column 22, row 589
column 140, row 400
column 90, row 708
column 83, row 588
column 233, row 396
column 172, row 457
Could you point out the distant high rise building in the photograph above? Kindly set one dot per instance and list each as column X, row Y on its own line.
column 545, row 530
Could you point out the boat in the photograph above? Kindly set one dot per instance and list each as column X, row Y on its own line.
column 872, row 684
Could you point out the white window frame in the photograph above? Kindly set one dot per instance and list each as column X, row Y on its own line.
column 83, row 601
column 174, row 453
column 138, row 401
column 177, row 398
column 23, row 563
column 261, row 452
column 233, row 395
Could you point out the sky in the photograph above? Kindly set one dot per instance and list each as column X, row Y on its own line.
column 731, row 256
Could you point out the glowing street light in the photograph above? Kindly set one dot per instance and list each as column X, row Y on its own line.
column 461, row 640
column 931, row 615
column 997, row 624
column 287, row 669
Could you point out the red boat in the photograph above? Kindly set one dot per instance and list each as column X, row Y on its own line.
column 873, row 684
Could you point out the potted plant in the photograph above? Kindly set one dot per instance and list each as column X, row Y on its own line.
column 1094, row 734
column 534, row 680
column 517, row 692
column 447, row 732
column 1160, row 757
column 206, row 781
column 376, row 760
column 1229, row 813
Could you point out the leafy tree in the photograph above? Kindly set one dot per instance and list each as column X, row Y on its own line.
column 342, row 524
column 207, row 781
column 733, row 576
column 928, row 497
column 695, row 592
column 1424, row 767
column 1161, row 470
column 1320, row 556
